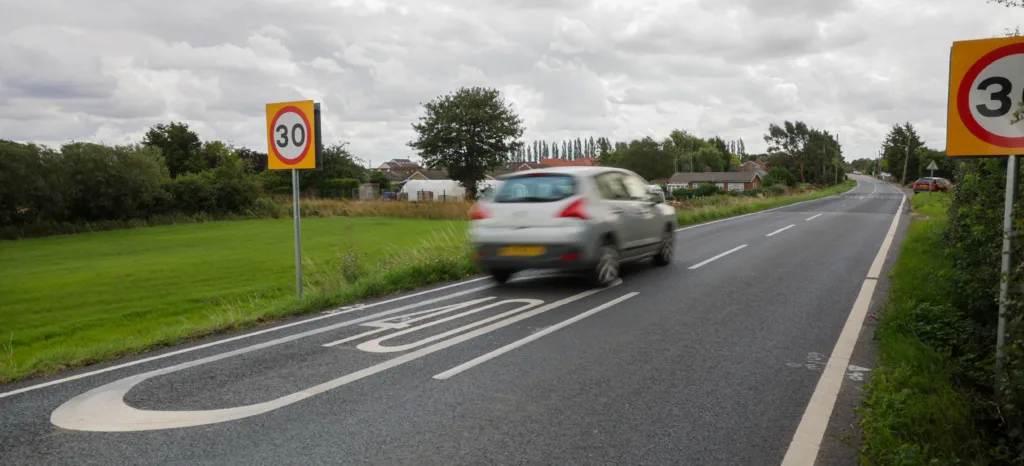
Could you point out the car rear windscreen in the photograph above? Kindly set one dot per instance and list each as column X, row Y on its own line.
column 536, row 188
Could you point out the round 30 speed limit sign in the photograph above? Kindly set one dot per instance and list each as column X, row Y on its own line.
column 290, row 135
column 986, row 98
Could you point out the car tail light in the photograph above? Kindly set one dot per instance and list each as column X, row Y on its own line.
column 477, row 212
column 575, row 210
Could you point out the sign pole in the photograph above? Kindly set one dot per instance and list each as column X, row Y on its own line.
column 298, row 232
column 1012, row 172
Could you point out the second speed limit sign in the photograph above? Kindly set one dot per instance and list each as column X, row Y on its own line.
column 986, row 98
column 291, row 135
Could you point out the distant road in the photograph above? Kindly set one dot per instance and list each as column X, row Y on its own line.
column 713, row 360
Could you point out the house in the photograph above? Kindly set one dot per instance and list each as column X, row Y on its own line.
column 580, row 162
column 756, row 165
column 399, row 165
column 427, row 175
column 731, row 181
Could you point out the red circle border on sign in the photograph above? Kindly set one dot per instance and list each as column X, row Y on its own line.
column 963, row 98
column 273, row 146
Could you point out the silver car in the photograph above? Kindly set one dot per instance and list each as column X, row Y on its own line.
column 584, row 219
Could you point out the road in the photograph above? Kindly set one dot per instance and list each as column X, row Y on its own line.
column 702, row 362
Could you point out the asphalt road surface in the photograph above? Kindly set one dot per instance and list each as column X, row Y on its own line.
column 713, row 360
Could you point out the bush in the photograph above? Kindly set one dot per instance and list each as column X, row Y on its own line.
column 193, row 193
column 235, row 189
column 110, row 183
column 706, row 190
column 775, row 190
column 683, row 193
column 779, row 175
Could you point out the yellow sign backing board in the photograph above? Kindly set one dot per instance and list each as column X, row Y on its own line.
column 986, row 94
column 291, row 135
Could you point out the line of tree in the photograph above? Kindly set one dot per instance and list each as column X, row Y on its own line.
column 569, row 149
column 472, row 131
column 170, row 173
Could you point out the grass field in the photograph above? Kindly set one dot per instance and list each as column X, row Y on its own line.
column 69, row 300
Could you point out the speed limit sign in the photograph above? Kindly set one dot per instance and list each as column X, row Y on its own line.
column 986, row 98
column 291, row 135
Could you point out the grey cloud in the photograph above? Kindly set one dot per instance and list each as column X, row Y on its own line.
column 108, row 69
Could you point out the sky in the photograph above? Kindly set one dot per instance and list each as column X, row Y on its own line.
column 106, row 70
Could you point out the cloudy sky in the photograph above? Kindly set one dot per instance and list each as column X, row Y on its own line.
column 105, row 70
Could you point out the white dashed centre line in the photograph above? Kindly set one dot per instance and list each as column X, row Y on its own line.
column 726, row 253
column 780, row 230
column 814, row 217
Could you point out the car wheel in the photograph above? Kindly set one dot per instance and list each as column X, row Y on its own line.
column 667, row 250
column 501, row 276
column 606, row 271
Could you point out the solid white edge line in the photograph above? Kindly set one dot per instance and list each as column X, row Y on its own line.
column 814, row 217
column 236, row 338
column 511, row 346
column 803, row 449
column 876, row 265
column 767, row 210
column 726, row 253
column 780, row 230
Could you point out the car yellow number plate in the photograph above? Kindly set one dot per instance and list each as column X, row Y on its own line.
column 529, row 251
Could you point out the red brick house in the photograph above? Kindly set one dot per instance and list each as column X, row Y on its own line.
column 729, row 181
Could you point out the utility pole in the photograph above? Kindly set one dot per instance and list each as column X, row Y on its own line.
column 906, row 159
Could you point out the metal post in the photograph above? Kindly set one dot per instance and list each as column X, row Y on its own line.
column 1012, row 172
column 298, row 232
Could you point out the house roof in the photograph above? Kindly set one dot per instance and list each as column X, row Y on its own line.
column 401, row 163
column 713, row 177
column 431, row 174
column 580, row 162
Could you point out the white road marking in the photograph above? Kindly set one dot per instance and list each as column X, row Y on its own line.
column 103, row 409
column 252, row 334
column 873, row 189
column 780, row 230
column 876, row 266
column 511, row 346
column 726, row 253
column 374, row 346
column 814, row 217
column 803, row 450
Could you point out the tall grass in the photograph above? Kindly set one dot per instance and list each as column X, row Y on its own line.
column 718, row 207
column 916, row 410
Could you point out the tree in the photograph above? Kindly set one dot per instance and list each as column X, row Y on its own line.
column 709, row 156
column 337, row 163
column 643, row 156
column 381, row 180
column 578, row 151
column 740, row 148
column 179, row 145
column 565, row 151
column 469, row 133
column 257, row 161
column 926, row 156
column 790, row 139
column 895, row 149
column 593, row 150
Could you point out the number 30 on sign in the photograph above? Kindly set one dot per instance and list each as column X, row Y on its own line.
column 291, row 135
column 986, row 98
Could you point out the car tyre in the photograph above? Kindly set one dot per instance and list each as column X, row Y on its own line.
column 501, row 276
column 606, row 270
column 667, row 250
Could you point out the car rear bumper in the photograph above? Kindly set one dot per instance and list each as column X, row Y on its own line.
column 565, row 248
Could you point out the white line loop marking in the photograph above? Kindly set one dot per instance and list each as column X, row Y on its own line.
column 814, row 217
column 103, row 409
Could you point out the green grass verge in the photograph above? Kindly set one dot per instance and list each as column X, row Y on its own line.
column 720, row 212
column 75, row 300
column 913, row 412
